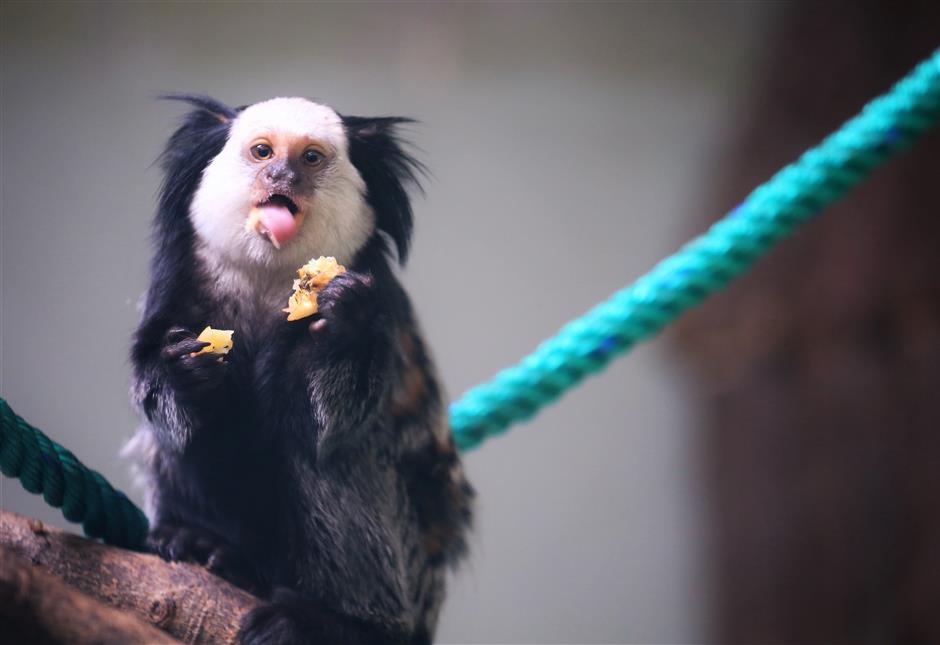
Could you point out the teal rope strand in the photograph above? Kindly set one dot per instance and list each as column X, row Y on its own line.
column 84, row 496
column 794, row 195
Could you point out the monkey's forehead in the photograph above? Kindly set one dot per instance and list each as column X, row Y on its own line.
column 292, row 116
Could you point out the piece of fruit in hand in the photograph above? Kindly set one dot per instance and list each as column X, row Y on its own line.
column 220, row 341
column 312, row 277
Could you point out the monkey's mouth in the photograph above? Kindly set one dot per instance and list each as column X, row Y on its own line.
column 277, row 218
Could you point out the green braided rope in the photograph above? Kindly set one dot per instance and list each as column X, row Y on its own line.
column 586, row 344
column 43, row 466
column 705, row 265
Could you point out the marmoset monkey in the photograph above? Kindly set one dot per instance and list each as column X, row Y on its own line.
column 314, row 464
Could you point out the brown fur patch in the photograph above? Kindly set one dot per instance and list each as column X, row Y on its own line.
column 437, row 488
column 411, row 395
column 442, row 499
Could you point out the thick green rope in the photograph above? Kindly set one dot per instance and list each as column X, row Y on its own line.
column 43, row 466
column 585, row 345
column 705, row 265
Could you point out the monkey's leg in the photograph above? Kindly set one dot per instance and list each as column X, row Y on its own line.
column 291, row 618
column 179, row 542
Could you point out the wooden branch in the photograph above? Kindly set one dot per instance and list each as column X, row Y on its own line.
column 39, row 608
column 184, row 600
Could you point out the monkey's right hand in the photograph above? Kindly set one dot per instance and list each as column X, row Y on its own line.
column 193, row 376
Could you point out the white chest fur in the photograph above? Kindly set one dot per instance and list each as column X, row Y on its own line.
column 254, row 296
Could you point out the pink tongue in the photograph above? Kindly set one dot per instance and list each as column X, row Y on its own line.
column 279, row 222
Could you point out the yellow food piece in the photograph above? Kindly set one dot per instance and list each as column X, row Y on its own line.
column 220, row 341
column 254, row 216
column 311, row 278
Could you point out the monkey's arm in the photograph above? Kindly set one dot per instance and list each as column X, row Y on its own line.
column 350, row 375
column 178, row 392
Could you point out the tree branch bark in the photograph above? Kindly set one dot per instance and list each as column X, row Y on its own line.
column 36, row 607
column 183, row 600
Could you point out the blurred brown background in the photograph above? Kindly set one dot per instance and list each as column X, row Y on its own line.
column 766, row 477
column 820, row 371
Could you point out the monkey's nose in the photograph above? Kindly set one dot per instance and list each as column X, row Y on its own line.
column 281, row 174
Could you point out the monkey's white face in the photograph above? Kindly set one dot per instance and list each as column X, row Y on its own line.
column 283, row 189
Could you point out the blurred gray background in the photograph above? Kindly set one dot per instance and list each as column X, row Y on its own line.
column 568, row 145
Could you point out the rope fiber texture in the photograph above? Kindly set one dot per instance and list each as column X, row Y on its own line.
column 706, row 264
column 43, row 466
column 585, row 345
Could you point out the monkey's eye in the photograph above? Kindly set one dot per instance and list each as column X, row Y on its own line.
column 313, row 157
column 262, row 151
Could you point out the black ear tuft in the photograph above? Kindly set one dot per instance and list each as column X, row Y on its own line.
column 204, row 104
column 377, row 152
column 200, row 137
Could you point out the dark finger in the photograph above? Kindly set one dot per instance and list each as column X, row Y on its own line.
column 182, row 348
column 208, row 360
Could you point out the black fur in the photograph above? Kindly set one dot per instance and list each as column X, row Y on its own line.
column 377, row 152
column 313, row 465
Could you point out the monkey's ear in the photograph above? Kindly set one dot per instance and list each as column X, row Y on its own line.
column 199, row 138
column 377, row 151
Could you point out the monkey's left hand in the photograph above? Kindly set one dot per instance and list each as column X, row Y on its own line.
column 348, row 305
